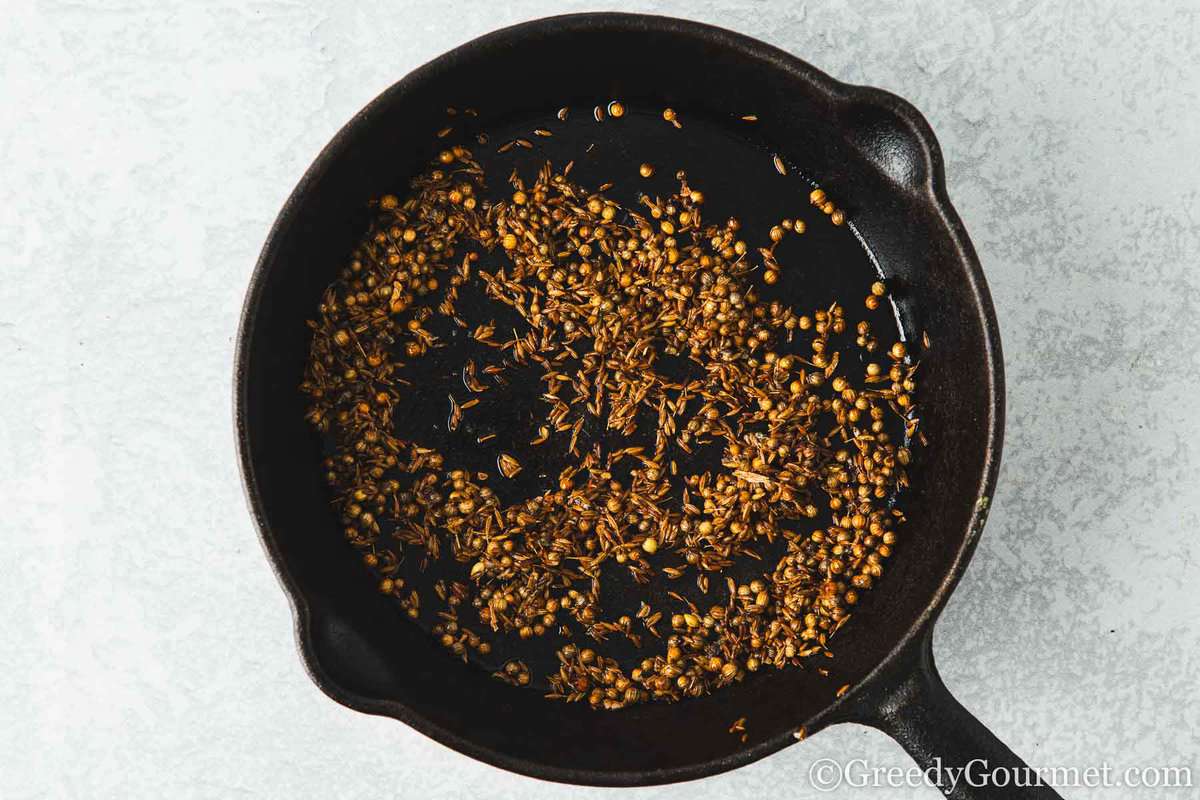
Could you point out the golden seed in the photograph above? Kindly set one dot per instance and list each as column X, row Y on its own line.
column 508, row 466
column 594, row 281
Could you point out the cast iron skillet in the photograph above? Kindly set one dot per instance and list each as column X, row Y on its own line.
column 871, row 151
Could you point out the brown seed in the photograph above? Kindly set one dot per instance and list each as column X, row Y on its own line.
column 592, row 280
column 508, row 466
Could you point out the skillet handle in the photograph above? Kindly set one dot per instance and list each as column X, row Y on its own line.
column 954, row 748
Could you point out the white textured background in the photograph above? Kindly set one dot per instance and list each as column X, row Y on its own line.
column 145, row 147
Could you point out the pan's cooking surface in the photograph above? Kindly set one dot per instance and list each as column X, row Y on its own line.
column 722, row 156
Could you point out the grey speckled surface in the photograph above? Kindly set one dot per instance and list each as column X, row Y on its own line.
column 148, row 145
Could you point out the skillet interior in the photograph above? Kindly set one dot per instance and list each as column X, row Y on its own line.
column 864, row 148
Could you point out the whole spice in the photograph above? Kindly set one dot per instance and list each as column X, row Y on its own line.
column 509, row 466
column 609, row 298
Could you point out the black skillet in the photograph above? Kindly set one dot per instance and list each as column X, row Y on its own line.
column 869, row 150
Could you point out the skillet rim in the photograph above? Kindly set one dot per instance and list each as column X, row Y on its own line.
column 855, row 704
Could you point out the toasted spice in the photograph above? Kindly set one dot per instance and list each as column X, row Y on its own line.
column 836, row 215
column 606, row 295
column 515, row 673
column 509, row 466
